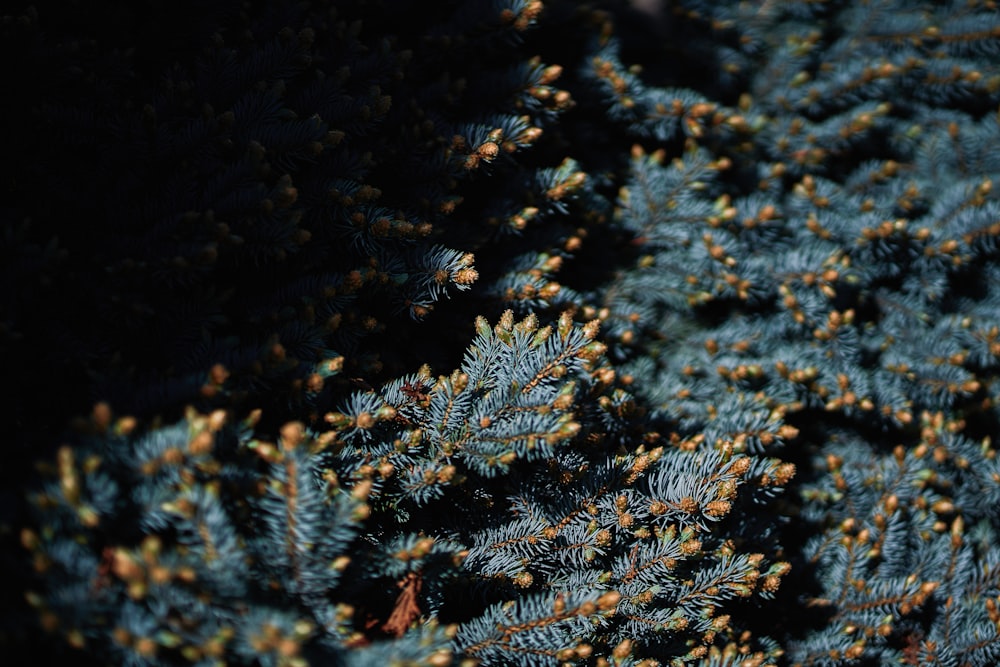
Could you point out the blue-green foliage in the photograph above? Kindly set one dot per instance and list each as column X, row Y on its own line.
column 237, row 546
column 834, row 271
column 769, row 252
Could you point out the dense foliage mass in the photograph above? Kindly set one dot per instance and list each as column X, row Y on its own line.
column 503, row 332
